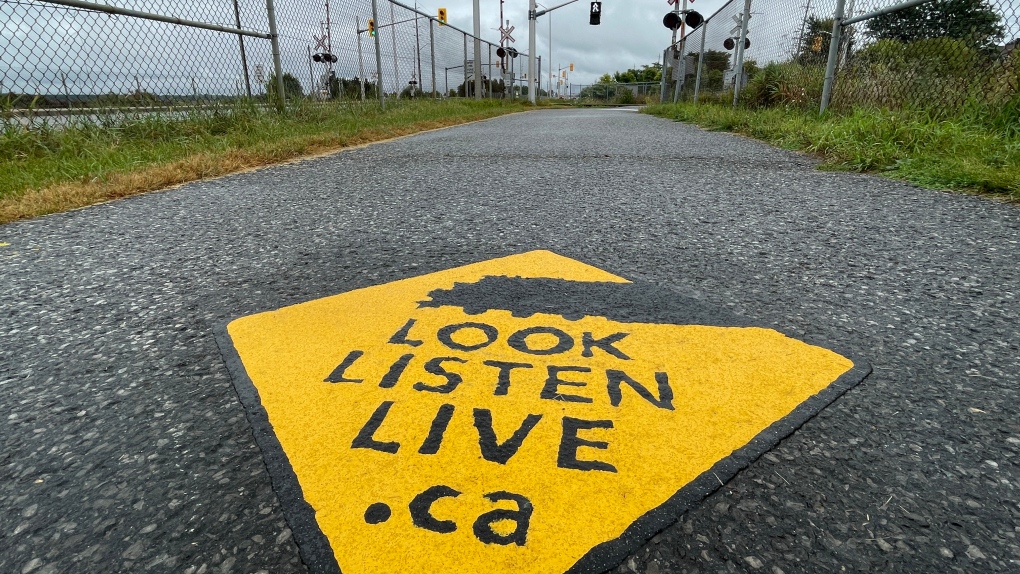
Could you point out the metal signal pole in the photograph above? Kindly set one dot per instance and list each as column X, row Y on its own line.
column 533, row 15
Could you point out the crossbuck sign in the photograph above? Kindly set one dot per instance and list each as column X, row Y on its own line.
column 505, row 34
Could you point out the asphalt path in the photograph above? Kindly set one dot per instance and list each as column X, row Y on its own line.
column 123, row 446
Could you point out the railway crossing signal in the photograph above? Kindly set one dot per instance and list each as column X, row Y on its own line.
column 673, row 20
column 729, row 43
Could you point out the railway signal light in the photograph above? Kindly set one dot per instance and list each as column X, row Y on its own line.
column 673, row 20
column 442, row 17
column 729, row 43
column 371, row 27
column 595, row 15
column 501, row 52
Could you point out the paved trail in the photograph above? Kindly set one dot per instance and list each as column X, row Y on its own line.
column 123, row 446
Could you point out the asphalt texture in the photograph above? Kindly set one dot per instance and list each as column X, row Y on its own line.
column 125, row 448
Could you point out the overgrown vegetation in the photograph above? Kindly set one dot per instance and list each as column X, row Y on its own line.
column 926, row 94
column 961, row 154
column 56, row 167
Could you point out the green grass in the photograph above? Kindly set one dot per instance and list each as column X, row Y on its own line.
column 51, row 169
column 963, row 154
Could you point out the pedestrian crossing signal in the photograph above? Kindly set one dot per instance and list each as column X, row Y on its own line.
column 442, row 17
column 371, row 27
column 595, row 15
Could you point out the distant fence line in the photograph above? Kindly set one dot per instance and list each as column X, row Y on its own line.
column 943, row 56
column 140, row 56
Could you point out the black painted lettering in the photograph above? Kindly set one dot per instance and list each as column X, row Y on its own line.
column 605, row 343
column 445, row 336
column 437, row 430
column 484, row 531
column 503, row 383
column 551, row 389
column 570, row 442
column 338, row 374
column 519, row 341
column 615, row 378
column 435, row 366
column 396, row 369
column 400, row 337
column 366, row 436
column 492, row 451
column 421, row 509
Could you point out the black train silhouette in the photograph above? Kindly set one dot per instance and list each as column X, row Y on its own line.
column 621, row 302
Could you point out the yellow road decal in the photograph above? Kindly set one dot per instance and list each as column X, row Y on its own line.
column 524, row 414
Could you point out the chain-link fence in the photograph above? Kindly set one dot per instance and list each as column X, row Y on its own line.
column 615, row 93
column 63, row 61
column 942, row 56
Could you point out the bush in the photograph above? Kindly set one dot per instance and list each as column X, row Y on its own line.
column 624, row 96
column 786, row 84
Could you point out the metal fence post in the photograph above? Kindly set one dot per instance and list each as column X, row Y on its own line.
column 465, row 66
column 274, row 40
column 361, row 59
column 244, row 56
column 682, row 67
column 378, row 59
column 432, row 52
column 311, row 75
column 738, row 81
column 662, row 88
column 830, row 67
column 476, row 67
column 701, row 59
column 393, row 36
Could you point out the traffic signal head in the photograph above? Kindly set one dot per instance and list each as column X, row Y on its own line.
column 442, row 17
column 571, row 66
column 595, row 14
column 371, row 27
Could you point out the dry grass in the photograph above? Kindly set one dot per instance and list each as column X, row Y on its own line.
column 197, row 164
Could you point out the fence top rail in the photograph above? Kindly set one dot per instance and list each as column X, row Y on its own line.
column 433, row 18
column 157, row 17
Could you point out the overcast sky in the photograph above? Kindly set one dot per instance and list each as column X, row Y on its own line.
column 631, row 33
